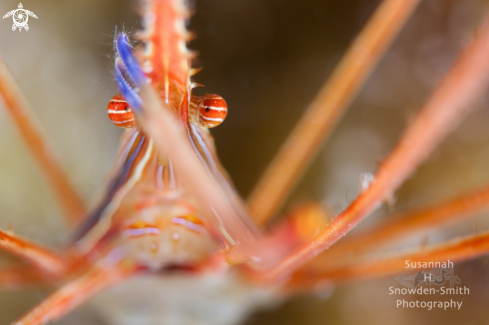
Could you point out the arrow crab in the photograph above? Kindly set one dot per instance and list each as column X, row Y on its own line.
column 351, row 139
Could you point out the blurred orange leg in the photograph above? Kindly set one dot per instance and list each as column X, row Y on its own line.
column 21, row 277
column 39, row 256
column 327, row 108
column 301, row 224
column 455, row 209
column 446, row 107
column 32, row 133
column 73, row 294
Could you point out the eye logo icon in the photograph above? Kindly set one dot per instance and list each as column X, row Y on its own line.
column 20, row 16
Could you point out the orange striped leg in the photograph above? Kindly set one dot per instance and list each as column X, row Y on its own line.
column 445, row 108
column 327, row 108
column 20, row 277
column 453, row 210
column 35, row 138
column 458, row 250
column 41, row 257
column 75, row 293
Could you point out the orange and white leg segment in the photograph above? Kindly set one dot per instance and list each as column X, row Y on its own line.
column 37, row 142
column 41, row 257
column 75, row 293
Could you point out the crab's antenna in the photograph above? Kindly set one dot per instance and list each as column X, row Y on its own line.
column 124, row 49
column 128, row 70
column 127, row 91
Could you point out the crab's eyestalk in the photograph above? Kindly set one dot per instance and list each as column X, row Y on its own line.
column 208, row 111
column 120, row 113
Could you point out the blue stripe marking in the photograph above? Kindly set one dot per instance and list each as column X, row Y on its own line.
column 121, row 179
column 134, row 69
column 126, row 89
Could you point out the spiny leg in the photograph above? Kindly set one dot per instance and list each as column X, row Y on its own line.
column 35, row 138
column 327, row 108
column 41, row 257
column 447, row 105
column 455, row 209
column 307, row 220
column 457, row 250
column 75, row 293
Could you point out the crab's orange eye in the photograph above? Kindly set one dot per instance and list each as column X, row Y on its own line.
column 120, row 113
column 208, row 111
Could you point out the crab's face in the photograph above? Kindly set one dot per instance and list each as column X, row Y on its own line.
column 166, row 235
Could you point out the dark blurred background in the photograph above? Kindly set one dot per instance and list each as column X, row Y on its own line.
column 267, row 59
